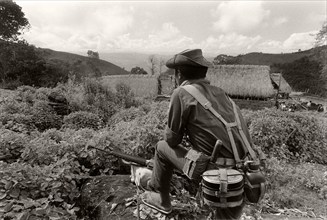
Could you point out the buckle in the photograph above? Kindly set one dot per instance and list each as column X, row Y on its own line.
column 207, row 105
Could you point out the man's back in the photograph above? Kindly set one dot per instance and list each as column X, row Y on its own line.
column 202, row 127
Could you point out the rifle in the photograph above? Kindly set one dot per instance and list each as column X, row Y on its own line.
column 129, row 159
column 135, row 160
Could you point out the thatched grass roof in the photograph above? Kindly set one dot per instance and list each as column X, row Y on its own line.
column 284, row 86
column 247, row 81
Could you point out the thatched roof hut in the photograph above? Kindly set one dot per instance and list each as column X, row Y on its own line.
column 243, row 81
column 284, row 86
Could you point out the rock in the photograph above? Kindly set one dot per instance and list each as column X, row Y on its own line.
column 109, row 197
column 59, row 103
column 57, row 98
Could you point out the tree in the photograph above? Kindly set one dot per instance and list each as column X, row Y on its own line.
column 161, row 65
column 12, row 20
column 303, row 75
column 226, row 59
column 93, row 54
column 138, row 70
column 21, row 64
column 321, row 37
column 152, row 64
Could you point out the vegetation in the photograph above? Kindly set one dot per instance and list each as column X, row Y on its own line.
column 141, row 85
column 138, row 70
column 304, row 75
column 321, row 37
column 12, row 20
column 44, row 164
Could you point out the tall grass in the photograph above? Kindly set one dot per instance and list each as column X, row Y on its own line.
column 141, row 85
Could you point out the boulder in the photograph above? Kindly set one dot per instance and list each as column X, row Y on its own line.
column 59, row 103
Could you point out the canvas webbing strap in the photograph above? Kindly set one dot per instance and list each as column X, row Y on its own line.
column 192, row 90
column 240, row 129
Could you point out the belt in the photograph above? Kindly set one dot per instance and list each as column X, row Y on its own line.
column 221, row 161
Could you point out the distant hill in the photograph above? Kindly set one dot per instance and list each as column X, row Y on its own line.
column 82, row 65
column 258, row 58
column 131, row 60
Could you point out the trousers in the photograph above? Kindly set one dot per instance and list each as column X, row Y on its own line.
column 167, row 159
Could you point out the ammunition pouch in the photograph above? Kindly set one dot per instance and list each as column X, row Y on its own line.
column 196, row 164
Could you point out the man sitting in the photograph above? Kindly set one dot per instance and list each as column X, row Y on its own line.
column 187, row 117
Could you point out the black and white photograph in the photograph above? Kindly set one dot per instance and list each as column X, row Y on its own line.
column 163, row 110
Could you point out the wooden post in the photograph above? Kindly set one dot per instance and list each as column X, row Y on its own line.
column 276, row 98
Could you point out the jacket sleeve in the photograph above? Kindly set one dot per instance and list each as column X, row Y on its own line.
column 175, row 126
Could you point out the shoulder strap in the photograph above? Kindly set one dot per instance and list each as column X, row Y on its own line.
column 192, row 90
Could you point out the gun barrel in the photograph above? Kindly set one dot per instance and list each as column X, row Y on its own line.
column 139, row 160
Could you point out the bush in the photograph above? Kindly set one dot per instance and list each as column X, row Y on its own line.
column 26, row 93
column 38, row 192
column 13, row 106
column 125, row 96
column 139, row 136
column 44, row 117
column 126, row 115
column 287, row 135
column 17, row 122
column 294, row 185
column 82, row 119
column 12, row 145
column 53, row 145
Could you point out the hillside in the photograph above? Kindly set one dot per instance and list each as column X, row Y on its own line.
column 130, row 60
column 83, row 65
column 269, row 59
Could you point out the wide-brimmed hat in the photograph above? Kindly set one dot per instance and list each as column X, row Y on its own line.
column 188, row 58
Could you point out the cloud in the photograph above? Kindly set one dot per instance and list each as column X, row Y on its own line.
column 229, row 43
column 301, row 41
column 239, row 16
column 167, row 39
column 80, row 26
column 293, row 43
column 280, row 21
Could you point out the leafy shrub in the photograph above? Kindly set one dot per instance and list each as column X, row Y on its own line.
column 53, row 145
column 44, row 117
column 287, row 182
column 17, row 122
column 126, row 115
column 26, row 93
column 12, row 144
column 99, row 99
column 82, row 119
column 38, row 192
column 139, row 136
column 13, row 106
column 125, row 96
column 288, row 135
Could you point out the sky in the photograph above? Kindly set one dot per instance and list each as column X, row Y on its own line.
column 169, row 27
